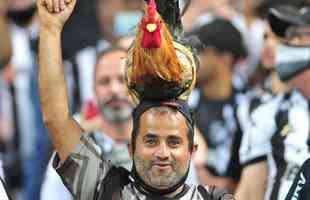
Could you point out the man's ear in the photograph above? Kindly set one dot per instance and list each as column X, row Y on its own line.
column 194, row 149
column 130, row 150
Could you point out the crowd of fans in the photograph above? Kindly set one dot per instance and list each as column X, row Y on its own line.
column 247, row 119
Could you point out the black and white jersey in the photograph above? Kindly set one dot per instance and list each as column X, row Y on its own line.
column 89, row 176
column 216, row 120
column 300, row 189
column 247, row 102
column 278, row 131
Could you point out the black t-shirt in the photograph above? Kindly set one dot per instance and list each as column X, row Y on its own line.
column 217, row 121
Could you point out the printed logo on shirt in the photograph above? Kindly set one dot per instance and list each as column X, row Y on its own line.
column 287, row 129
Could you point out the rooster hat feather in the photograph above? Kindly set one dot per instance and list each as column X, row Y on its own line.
column 160, row 65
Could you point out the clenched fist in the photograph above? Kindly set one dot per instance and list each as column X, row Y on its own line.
column 53, row 14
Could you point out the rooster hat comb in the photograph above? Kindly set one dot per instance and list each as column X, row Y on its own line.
column 160, row 65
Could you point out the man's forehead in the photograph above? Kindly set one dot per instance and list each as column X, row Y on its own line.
column 162, row 114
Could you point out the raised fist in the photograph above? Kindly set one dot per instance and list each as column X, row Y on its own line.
column 54, row 13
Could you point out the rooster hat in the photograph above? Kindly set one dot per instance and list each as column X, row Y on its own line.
column 160, row 64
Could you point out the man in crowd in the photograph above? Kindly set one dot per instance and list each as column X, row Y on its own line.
column 215, row 101
column 279, row 131
column 161, row 145
column 109, row 118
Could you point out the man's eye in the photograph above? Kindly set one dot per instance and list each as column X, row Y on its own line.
column 174, row 143
column 104, row 82
column 150, row 142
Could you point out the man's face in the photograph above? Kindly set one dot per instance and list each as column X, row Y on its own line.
column 209, row 61
column 110, row 88
column 162, row 153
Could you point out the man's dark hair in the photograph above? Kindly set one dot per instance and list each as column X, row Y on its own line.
column 161, row 109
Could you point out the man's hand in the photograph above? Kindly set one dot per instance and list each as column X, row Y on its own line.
column 54, row 13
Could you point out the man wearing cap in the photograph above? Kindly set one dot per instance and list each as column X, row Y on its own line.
column 162, row 138
column 215, row 100
column 277, row 142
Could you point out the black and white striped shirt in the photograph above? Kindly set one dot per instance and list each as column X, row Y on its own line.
column 278, row 131
column 300, row 189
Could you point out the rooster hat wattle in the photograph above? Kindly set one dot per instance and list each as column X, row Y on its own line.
column 160, row 65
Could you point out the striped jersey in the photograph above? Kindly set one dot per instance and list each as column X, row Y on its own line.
column 278, row 131
column 300, row 189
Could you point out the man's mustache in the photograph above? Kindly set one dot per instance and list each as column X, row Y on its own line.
column 114, row 99
column 160, row 162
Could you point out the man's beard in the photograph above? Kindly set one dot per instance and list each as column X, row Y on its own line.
column 116, row 114
column 156, row 179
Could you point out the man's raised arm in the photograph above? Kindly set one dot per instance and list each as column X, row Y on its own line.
column 63, row 130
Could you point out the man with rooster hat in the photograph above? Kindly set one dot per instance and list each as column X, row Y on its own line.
column 160, row 73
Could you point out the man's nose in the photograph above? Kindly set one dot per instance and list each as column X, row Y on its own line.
column 162, row 152
column 116, row 87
